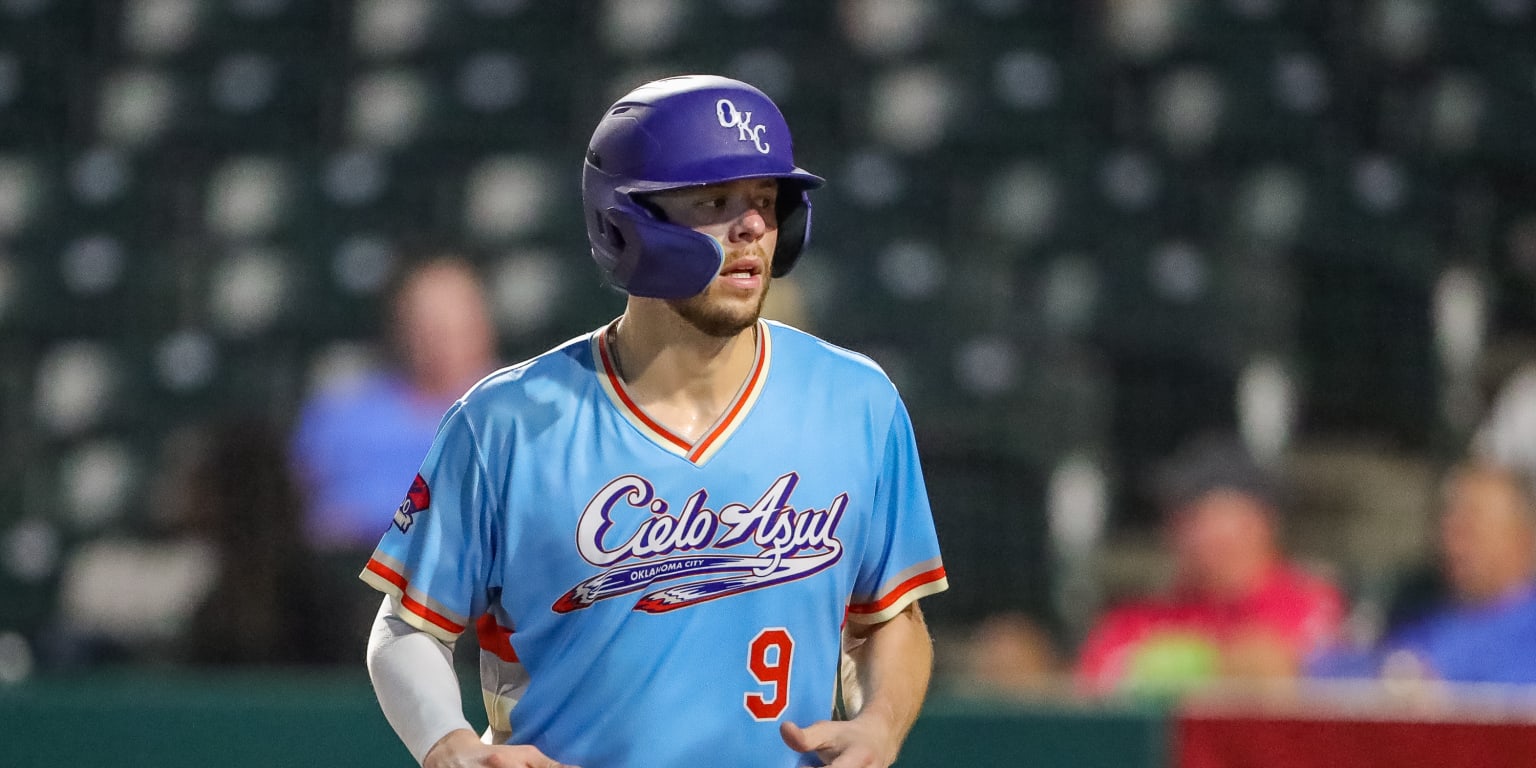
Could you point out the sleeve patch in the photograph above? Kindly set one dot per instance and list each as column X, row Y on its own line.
column 417, row 499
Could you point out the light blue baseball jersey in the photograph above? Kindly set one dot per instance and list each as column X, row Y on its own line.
column 647, row 600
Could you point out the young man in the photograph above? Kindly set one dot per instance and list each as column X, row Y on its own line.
column 665, row 525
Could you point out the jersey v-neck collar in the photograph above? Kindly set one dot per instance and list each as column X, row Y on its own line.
column 718, row 433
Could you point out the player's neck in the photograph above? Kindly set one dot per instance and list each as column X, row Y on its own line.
column 677, row 373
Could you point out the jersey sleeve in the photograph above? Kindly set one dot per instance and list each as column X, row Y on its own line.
column 901, row 556
column 435, row 558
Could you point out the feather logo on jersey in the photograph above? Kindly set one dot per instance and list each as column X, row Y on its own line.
column 693, row 544
column 416, row 500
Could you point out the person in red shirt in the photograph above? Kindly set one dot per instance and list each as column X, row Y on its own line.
column 1237, row 607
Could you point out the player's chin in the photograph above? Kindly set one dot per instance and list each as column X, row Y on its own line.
column 732, row 295
column 725, row 324
column 720, row 316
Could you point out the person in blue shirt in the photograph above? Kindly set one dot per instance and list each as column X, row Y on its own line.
column 666, row 532
column 358, row 440
column 1484, row 629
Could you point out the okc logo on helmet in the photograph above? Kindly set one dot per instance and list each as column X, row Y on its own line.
column 416, row 500
column 731, row 117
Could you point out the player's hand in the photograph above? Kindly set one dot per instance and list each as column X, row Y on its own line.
column 463, row 749
column 863, row 742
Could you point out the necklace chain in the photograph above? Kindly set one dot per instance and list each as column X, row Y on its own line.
column 613, row 349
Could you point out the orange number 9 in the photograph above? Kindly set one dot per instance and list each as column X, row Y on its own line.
column 768, row 660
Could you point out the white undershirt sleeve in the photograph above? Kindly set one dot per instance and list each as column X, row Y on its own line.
column 414, row 680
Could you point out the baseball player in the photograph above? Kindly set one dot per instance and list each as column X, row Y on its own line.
column 662, row 529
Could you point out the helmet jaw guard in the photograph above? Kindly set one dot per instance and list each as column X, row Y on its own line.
column 683, row 132
column 655, row 259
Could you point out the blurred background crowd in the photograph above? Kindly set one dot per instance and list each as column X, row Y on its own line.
column 1215, row 317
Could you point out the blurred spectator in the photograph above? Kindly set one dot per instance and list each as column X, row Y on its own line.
column 229, row 583
column 358, row 442
column 1237, row 608
column 1010, row 653
column 1484, row 630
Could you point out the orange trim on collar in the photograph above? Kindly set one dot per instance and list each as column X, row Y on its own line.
column 632, row 409
column 699, row 452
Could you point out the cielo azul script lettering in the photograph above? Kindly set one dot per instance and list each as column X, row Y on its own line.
column 740, row 547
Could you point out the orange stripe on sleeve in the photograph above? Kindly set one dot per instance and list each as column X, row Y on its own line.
column 926, row 577
column 412, row 604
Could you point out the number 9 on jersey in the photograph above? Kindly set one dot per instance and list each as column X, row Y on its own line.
column 768, row 659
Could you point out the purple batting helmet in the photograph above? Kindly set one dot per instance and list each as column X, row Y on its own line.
column 684, row 132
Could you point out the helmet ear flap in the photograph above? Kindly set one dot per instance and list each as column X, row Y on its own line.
column 794, row 226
